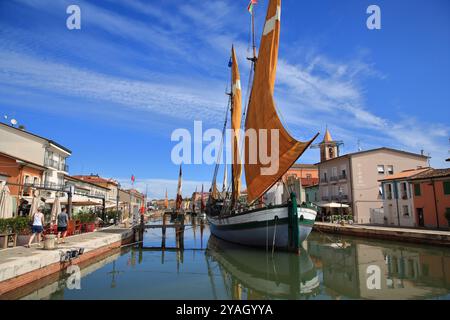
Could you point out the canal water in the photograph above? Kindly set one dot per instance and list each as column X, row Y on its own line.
column 329, row 267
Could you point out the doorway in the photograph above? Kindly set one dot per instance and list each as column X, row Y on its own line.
column 420, row 217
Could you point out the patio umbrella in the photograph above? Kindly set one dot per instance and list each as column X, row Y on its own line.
column 5, row 202
column 332, row 205
column 34, row 203
column 56, row 208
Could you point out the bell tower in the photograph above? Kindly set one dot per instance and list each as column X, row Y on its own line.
column 328, row 148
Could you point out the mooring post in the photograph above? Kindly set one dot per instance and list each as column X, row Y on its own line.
column 294, row 244
column 163, row 240
column 182, row 234
column 141, row 232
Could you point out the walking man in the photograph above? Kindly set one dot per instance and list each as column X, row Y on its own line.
column 63, row 219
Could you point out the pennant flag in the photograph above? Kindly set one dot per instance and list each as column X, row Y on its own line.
column 250, row 6
column 230, row 63
column 132, row 178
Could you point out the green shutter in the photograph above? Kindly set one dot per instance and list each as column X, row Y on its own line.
column 417, row 189
column 446, row 187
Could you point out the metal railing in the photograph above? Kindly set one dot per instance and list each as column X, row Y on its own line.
column 56, row 165
column 342, row 176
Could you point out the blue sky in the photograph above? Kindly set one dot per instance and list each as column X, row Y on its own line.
column 114, row 91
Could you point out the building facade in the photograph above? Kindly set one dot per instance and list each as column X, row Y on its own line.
column 352, row 179
column 38, row 150
column 112, row 196
column 398, row 203
column 20, row 175
column 432, row 198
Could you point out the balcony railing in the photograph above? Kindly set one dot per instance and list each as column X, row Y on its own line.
column 342, row 177
column 56, row 165
column 51, row 163
column 323, row 180
column 325, row 198
column 334, row 179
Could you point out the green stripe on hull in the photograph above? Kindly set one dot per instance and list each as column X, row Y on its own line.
column 259, row 224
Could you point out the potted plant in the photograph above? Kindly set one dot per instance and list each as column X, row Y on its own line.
column 22, row 229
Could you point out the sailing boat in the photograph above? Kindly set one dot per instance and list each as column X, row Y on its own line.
column 253, row 223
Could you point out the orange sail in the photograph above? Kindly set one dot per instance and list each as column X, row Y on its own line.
column 236, row 117
column 262, row 114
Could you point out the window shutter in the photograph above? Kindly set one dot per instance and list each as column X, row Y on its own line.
column 446, row 187
column 417, row 189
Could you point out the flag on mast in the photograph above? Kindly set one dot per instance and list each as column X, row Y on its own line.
column 250, row 6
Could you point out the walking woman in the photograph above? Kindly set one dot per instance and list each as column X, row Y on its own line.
column 38, row 226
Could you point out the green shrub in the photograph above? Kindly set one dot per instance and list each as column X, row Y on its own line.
column 18, row 225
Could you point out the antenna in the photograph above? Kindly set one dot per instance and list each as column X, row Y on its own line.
column 359, row 145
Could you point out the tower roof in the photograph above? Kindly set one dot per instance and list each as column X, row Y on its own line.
column 327, row 137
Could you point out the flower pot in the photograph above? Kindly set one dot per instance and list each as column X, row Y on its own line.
column 22, row 239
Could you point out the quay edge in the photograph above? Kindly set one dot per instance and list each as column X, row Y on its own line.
column 21, row 266
column 428, row 237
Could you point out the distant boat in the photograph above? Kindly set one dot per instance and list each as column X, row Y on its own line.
column 252, row 223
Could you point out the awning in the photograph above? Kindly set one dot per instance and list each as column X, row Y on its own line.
column 77, row 201
column 331, row 205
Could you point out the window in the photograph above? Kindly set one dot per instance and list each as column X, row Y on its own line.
column 417, row 192
column 388, row 189
column 343, row 174
column 36, row 181
column 406, row 211
column 404, row 191
column 390, row 169
column 446, row 187
column 334, row 171
column 380, row 169
column 308, row 176
column 26, row 180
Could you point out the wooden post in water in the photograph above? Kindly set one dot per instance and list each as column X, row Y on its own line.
column 163, row 240
column 141, row 232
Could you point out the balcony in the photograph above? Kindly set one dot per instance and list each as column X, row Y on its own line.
column 342, row 177
column 334, row 179
column 51, row 163
column 324, row 180
column 325, row 198
column 56, row 165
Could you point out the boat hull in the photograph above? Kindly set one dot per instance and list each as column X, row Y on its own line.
column 263, row 227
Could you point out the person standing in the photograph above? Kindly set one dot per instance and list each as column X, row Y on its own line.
column 63, row 220
column 37, row 227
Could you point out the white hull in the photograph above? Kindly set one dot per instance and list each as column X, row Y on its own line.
column 258, row 228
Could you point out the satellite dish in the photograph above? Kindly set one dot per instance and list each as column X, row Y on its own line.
column 13, row 122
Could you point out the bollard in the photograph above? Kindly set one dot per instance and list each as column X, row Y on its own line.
column 49, row 242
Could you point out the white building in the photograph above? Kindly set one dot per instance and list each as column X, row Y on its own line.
column 42, row 151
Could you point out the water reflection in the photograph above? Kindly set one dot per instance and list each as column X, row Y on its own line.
column 251, row 274
column 407, row 272
column 209, row 268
